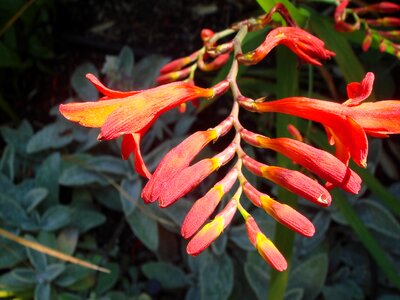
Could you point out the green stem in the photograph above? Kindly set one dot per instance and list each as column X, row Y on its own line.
column 287, row 85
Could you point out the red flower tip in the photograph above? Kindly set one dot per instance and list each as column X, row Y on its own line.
column 211, row 231
column 206, row 34
column 205, row 206
column 264, row 246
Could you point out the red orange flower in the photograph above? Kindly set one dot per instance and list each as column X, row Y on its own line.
column 308, row 47
column 347, row 123
column 132, row 113
column 320, row 162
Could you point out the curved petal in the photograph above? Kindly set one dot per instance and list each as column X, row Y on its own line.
column 107, row 91
column 358, row 92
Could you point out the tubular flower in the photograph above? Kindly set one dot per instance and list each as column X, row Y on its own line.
column 306, row 46
column 283, row 213
column 190, row 177
column 179, row 158
column 211, row 231
column 264, row 246
column 294, row 181
column 320, row 162
column 205, row 206
column 347, row 123
column 131, row 113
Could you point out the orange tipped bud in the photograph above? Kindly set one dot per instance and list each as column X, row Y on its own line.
column 382, row 7
column 264, row 246
column 283, row 213
column 291, row 180
column 174, row 76
column 179, row 63
column 211, row 231
column 387, row 21
column 220, row 88
column 205, row 206
column 217, row 63
column 206, row 34
column 367, row 41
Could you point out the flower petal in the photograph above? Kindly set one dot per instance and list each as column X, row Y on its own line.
column 131, row 143
column 175, row 161
column 90, row 114
column 139, row 111
column 358, row 92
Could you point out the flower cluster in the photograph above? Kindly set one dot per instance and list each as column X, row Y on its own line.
column 381, row 29
column 130, row 115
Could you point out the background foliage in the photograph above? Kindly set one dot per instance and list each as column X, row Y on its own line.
column 62, row 188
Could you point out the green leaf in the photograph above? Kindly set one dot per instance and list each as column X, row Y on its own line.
column 169, row 276
column 47, row 176
column 11, row 212
column 106, row 282
column 258, row 277
column 108, row 164
column 316, row 269
column 294, row 294
column 216, row 278
column 68, row 296
column 126, row 60
column 42, row 291
column 82, row 86
column 145, row 228
column 146, row 71
column 373, row 247
column 85, row 219
column 378, row 218
column 49, row 137
column 25, row 275
column 77, row 176
column 346, row 290
column 52, row 271
column 67, row 240
column 9, row 58
column 129, row 195
column 37, row 259
column 55, row 218
column 18, row 137
column 11, row 253
column 33, row 198
column 107, row 196
column 7, row 162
